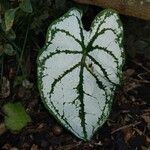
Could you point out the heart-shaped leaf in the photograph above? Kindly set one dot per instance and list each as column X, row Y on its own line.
column 78, row 71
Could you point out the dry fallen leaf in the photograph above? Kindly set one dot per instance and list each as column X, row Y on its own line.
column 2, row 128
column 147, row 139
column 129, row 72
column 14, row 148
column 128, row 133
column 146, row 118
column 34, row 147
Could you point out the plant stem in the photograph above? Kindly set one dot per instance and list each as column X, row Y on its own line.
column 22, row 52
column 2, row 66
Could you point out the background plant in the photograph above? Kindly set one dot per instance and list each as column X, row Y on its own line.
column 23, row 22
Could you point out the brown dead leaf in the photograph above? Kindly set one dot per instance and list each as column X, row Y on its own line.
column 146, row 117
column 2, row 128
column 147, row 139
column 144, row 148
column 40, row 126
column 129, row 72
column 34, row 147
column 128, row 134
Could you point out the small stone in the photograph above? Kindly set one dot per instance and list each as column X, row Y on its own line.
column 57, row 130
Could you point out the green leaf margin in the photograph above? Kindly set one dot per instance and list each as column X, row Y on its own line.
column 47, row 44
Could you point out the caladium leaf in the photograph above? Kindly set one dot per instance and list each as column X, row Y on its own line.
column 78, row 71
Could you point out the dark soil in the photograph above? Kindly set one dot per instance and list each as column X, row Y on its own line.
column 127, row 128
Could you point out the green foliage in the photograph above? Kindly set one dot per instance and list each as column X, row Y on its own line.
column 9, row 50
column 26, row 6
column 16, row 117
column 9, row 18
column 18, row 80
column 22, row 24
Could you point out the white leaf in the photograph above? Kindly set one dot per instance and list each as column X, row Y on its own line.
column 78, row 71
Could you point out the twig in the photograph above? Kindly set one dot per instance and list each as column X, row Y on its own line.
column 140, row 65
column 22, row 52
column 128, row 111
column 126, row 126
column 140, row 81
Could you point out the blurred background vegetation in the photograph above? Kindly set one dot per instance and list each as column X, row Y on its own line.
column 23, row 25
